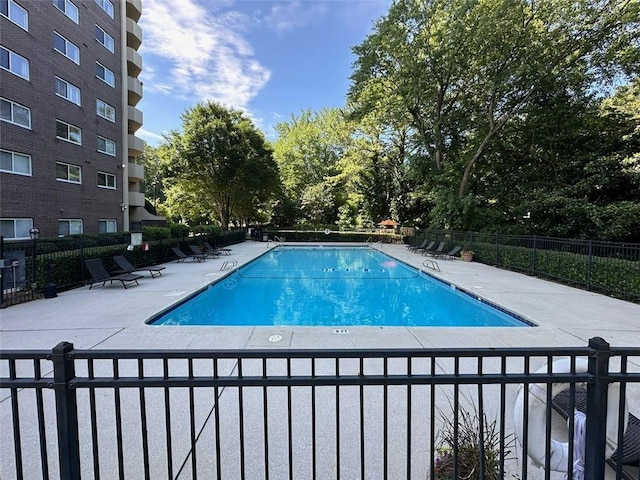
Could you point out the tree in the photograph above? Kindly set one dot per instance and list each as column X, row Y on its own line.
column 221, row 163
column 308, row 152
column 461, row 71
column 152, row 185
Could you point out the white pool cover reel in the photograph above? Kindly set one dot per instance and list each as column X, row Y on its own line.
column 537, row 417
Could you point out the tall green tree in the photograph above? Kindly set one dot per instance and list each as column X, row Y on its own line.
column 461, row 71
column 220, row 165
column 308, row 151
column 152, row 185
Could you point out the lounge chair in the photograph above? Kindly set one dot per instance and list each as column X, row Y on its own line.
column 425, row 248
column 219, row 250
column 631, row 440
column 413, row 248
column 126, row 267
column 434, row 251
column 99, row 274
column 201, row 257
column 196, row 251
column 450, row 255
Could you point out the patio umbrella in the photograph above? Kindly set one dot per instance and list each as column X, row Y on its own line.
column 388, row 223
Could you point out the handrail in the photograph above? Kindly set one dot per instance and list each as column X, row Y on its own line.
column 432, row 264
column 228, row 264
column 277, row 239
column 368, row 242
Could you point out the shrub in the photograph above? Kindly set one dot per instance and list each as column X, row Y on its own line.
column 179, row 230
column 155, row 233
column 467, row 441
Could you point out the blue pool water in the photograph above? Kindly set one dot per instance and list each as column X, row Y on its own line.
column 327, row 286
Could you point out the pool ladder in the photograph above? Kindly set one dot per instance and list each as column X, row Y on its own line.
column 377, row 244
column 276, row 239
column 228, row 264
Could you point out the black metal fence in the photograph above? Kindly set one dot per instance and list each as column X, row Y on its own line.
column 610, row 268
column 30, row 269
column 325, row 414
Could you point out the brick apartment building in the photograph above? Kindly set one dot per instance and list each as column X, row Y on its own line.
column 68, row 93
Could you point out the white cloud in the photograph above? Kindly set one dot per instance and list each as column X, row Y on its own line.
column 150, row 137
column 192, row 52
column 286, row 16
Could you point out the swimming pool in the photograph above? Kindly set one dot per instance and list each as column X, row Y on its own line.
column 333, row 286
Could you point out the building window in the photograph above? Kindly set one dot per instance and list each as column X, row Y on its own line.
column 67, row 91
column 15, row 228
column 68, row 8
column 107, row 6
column 15, row 13
column 107, row 226
column 105, row 39
column 69, row 227
column 66, row 48
column 15, row 113
column 16, row 64
column 106, row 180
column 106, row 146
column 68, row 132
column 14, row 162
column 106, row 75
column 105, row 110
column 68, row 173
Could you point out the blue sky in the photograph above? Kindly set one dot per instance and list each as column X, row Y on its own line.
column 270, row 59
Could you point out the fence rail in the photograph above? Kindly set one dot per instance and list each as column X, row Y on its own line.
column 611, row 268
column 29, row 267
column 325, row 414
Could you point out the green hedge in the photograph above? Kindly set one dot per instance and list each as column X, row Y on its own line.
column 68, row 270
column 612, row 276
column 334, row 236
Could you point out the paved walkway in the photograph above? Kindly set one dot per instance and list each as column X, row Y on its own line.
column 112, row 317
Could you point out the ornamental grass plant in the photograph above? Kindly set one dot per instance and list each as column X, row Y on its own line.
column 463, row 455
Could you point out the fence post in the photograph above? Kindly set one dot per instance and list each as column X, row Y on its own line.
column 2, row 270
column 66, row 411
column 597, row 389
column 590, row 265
column 535, row 255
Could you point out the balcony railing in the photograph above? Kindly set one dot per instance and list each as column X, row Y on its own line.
column 135, row 172
column 134, row 62
column 134, row 91
column 136, row 146
column 135, row 118
column 134, row 34
column 313, row 414
column 134, row 9
column 136, row 199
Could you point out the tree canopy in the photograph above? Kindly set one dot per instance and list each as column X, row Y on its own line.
column 506, row 116
column 219, row 166
column 461, row 72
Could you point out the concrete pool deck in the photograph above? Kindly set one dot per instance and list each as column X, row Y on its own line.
column 112, row 317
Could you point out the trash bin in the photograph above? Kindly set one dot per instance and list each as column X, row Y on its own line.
column 265, row 237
